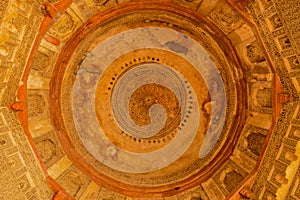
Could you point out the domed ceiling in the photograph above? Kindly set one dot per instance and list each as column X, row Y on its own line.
column 158, row 100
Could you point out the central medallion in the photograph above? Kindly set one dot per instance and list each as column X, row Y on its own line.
column 151, row 95
column 147, row 97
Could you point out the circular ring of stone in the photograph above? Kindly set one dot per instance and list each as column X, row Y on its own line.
column 190, row 94
column 110, row 154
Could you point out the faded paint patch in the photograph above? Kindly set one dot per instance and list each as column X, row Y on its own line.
column 178, row 48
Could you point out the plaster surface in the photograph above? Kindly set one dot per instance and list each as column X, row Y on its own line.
column 93, row 69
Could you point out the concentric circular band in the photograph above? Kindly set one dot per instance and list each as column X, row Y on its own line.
column 184, row 90
column 103, row 141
